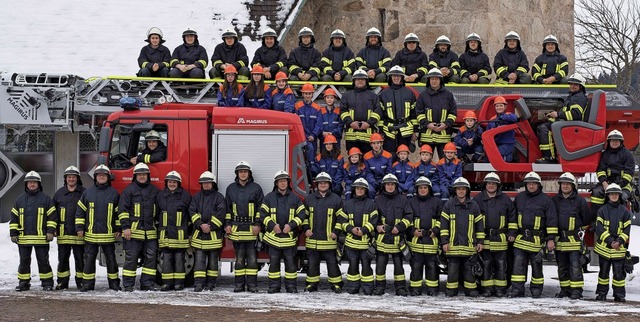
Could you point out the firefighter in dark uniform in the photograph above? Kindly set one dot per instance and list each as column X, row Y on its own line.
column 412, row 60
column 321, row 229
column 229, row 52
column 154, row 58
column 462, row 235
column 444, row 59
column 244, row 198
column 573, row 218
column 359, row 217
column 155, row 150
column 423, row 238
column 173, row 230
column 271, row 56
column 360, row 112
column 613, row 226
column 188, row 60
column 616, row 166
column 397, row 112
column 436, row 112
column 573, row 109
column 374, row 59
column 66, row 202
column 500, row 228
column 537, row 228
column 97, row 222
column 208, row 211
column 474, row 63
column 551, row 67
column 395, row 216
column 511, row 64
column 281, row 213
column 33, row 223
column 338, row 61
column 138, row 218
column 304, row 60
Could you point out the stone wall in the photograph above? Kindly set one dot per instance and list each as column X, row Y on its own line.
column 491, row 19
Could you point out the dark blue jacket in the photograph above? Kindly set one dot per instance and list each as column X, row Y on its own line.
column 283, row 100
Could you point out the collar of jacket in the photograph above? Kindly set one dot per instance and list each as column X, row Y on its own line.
column 485, row 194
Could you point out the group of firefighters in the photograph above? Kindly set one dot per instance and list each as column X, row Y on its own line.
column 473, row 234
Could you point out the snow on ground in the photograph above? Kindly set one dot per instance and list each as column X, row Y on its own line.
column 101, row 38
column 324, row 300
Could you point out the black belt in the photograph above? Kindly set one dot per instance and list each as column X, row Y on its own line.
column 242, row 219
column 496, row 232
column 530, row 232
column 569, row 233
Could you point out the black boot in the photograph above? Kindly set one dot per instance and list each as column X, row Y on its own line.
column 378, row 291
column 240, row 281
column 198, row 288
column 62, row 286
column 252, row 289
column 311, row 288
column 414, row 291
column 23, row 286
column 292, row 289
column 273, row 290
column 563, row 293
column 211, row 283
column 47, row 288
column 167, row 287
column 336, row 288
column 114, row 285
column 128, row 288
column 86, row 288
column 401, row 291
column 78, row 282
column 601, row 297
column 619, row 299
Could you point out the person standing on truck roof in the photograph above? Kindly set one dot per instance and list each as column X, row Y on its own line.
column 573, row 109
column 573, row 218
column 331, row 123
column 97, row 222
column 257, row 94
column 304, row 60
column 271, row 56
column 330, row 160
column 66, row 202
column 208, row 212
column 338, row 61
column 188, row 60
column 423, row 239
column 511, row 64
column 436, row 112
column 374, row 59
column 474, row 63
column 462, row 236
column 242, row 226
column 281, row 213
column 378, row 162
column 500, row 228
column 321, row 229
column 537, row 229
column 395, row 216
column 282, row 97
column 505, row 141
column 358, row 218
column 173, row 226
column 468, row 140
column 154, row 58
column 360, row 112
column 446, row 60
column 616, row 165
column 230, row 52
column 231, row 93
column 34, row 220
column 154, row 151
column 613, row 227
column 397, row 111
column 551, row 67
column 412, row 60
column 311, row 117
column 138, row 217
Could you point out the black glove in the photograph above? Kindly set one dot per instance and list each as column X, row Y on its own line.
column 14, row 239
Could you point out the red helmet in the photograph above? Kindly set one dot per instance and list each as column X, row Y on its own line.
column 376, row 137
column 307, row 88
column 230, row 70
column 257, row 69
column 330, row 139
column 499, row 100
column 470, row 115
column 354, row 151
column 450, row 147
column 281, row 75
column 426, row 148
column 403, row 148
column 329, row 92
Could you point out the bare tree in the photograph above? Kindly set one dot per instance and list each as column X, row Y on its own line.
column 607, row 39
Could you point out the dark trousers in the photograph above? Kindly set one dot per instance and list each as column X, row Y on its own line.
column 291, row 273
column 194, row 73
column 356, row 277
column 64, row 272
column 619, row 276
column 546, row 140
column 90, row 254
column 398, row 270
column 42, row 256
column 329, row 256
column 173, row 270
column 457, row 269
column 427, row 263
column 521, row 259
column 148, row 72
column 134, row 249
column 205, row 268
column 246, row 267
column 570, row 272
column 363, row 146
column 494, row 276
